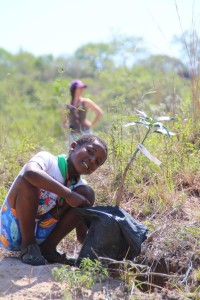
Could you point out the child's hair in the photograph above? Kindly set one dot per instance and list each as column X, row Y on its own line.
column 88, row 138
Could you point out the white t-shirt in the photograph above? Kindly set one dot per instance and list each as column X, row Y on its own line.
column 49, row 163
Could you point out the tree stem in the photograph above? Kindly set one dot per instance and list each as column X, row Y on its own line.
column 123, row 177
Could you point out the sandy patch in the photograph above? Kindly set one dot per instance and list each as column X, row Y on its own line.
column 21, row 281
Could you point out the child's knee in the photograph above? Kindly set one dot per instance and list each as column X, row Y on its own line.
column 22, row 191
column 26, row 189
column 87, row 192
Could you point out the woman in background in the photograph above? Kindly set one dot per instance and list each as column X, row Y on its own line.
column 74, row 115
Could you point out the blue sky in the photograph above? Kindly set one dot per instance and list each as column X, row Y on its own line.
column 61, row 26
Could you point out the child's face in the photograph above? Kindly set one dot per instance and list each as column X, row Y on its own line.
column 87, row 157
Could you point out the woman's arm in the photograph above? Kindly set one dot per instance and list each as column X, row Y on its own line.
column 89, row 104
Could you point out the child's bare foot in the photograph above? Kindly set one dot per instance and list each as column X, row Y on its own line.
column 32, row 256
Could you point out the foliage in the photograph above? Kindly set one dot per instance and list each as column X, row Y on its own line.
column 90, row 272
column 152, row 126
column 120, row 77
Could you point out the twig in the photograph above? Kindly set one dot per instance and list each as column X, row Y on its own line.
column 156, row 274
column 122, row 262
column 152, row 284
column 184, row 281
column 139, row 274
column 191, row 189
column 132, row 288
column 127, row 252
column 120, row 189
column 95, row 254
column 147, row 274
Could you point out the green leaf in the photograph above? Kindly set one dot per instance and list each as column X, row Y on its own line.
column 130, row 124
column 164, row 118
column 165, row 131
column 142, row 122
column 141, row 114
column 158, row 124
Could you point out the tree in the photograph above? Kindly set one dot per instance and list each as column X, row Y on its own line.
column 127, row 49
column 95, row 57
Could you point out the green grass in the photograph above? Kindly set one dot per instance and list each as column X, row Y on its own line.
column 30, row 120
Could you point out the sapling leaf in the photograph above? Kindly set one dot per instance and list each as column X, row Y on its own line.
column 141, row 114
column 165, row 132
column 158, row 124
column 150, row 120
column 164, row 118
column 143, row 122
column 130, row 124
column 148, row 154
column 152, row 125
column 172, row 133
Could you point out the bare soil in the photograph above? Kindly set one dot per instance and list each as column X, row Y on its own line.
column 171, row 254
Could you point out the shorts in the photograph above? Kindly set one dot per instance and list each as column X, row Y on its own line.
column 10, row 234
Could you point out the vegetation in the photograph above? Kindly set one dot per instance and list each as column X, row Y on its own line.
column 120, row 79
column 86, row 276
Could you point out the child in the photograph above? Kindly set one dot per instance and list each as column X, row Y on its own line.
column 37, row 207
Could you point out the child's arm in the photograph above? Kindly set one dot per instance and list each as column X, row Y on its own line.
column 37, row 177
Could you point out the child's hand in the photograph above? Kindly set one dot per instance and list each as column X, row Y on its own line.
column 77, row 200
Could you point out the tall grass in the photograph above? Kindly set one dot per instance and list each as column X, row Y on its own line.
column 191, row 44
column 157, row 195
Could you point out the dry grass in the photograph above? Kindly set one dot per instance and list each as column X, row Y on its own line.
column 171, row 253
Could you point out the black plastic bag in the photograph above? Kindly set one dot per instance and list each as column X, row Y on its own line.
column 113, row 233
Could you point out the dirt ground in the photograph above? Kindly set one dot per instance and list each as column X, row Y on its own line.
column 23, row 282
column 172, row 255
column 20, row 281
